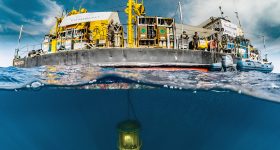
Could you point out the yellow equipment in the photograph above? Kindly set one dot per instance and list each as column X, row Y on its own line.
column 133, row 9
column 54, row 48
column 99, row 30
column 82, row 30
column 129, row 138
column 155, row 32
column 83, row 10
column 203, row 44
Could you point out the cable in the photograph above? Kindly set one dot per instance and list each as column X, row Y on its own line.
column 119, row 6
column 130, row 106
column 30, row 36
column 176, row 11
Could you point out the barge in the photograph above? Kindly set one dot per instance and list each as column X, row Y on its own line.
column 98, row 39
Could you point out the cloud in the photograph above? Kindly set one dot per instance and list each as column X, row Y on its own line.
column 253, row 14
column 1, row 28
column 258, row 17
column 50, row 10
column 7, row 9
column 274, row 57
column 6, row 54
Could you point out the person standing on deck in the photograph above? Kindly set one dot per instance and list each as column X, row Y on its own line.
column 184, row 40
column 195, row 40
column 216, row 41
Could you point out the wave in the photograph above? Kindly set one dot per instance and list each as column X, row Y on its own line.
column 265, row 86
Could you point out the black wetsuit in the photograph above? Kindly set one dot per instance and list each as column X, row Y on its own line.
column 195, row 41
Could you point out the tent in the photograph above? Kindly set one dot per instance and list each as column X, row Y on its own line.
column 190, row 30
column 90, row 17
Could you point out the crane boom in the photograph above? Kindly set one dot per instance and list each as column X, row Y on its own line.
column 133, row 9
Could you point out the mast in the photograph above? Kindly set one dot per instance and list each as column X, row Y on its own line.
column 221, row 11
column 19, row 39
column 237, row 16
column 264, row 48
column 181, row 16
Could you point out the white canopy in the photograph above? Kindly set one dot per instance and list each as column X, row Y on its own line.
column 190, row 30
column 89, row 17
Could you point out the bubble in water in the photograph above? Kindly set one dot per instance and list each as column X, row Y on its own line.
column 274, row 86
column 239, row 92
column 91, row 82
column 36, row 85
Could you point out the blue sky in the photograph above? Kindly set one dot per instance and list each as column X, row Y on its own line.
column 258, row 17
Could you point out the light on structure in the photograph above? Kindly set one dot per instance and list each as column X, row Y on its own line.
column 129, row 137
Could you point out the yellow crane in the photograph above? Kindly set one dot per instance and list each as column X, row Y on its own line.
column 134, row 8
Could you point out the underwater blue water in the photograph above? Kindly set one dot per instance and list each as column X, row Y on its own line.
column 63, row 108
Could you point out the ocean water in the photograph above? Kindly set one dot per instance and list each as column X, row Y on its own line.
column 78, row 108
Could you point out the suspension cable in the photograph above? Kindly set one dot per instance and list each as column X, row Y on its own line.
column 130, row 107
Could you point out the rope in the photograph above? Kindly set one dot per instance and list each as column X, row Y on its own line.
column 130, row 106
column 119, row 6
column 33, row 38
column 176, row 12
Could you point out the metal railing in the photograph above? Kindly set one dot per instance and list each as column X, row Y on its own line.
column 23, row 51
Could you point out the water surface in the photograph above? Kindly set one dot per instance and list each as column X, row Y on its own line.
column 58, row 108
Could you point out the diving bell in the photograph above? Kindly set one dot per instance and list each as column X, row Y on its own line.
column 129, row 137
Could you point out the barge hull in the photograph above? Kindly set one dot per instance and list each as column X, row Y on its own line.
column 128, row 57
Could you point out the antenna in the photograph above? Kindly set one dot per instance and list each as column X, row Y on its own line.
column 81, row 5
column 221, row 11
column 19, row 39
column 75, row 2
column 181, row 16
column 237, row 16
column 264, row 46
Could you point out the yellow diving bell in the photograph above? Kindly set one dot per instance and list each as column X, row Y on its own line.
column 129, row 135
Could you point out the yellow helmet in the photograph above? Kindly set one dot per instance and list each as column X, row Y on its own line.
column 73, row 12
column 139, row 9
column 83, row 10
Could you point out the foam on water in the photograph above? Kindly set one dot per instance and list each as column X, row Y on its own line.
column 265, row 86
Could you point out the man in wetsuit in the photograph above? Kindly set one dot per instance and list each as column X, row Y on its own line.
column 195, row 41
